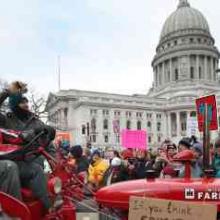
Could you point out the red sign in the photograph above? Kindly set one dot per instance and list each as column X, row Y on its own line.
column 210, row 102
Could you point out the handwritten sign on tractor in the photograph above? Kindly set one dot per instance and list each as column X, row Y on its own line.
column 210, row 102
column 136, row 139
column 154, row 209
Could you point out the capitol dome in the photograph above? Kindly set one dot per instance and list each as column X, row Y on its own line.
column 186, row 51
column 184, row 18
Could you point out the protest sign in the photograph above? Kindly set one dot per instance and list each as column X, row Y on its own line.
column 136, row 139
column 192, row 126
column 153, row 209
column 210, row 102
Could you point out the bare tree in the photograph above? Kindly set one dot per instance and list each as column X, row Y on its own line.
column 3, row 83
column 37, row 103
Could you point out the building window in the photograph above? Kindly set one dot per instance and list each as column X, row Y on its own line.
column 139, row 114
column 116, row 126
column 139, row 125
column 93, row 111
column 117, row 138
column 176, row 74
column 117, row 113
column 159, row 139
column 158, row 126
column 168, row 76
column 106, row 138
column 149, row 115
column 128, row 125
column 83, row 129
column 149, row 124
column 105, row 124
column 191, row 40
column 65, row 112
column 105, row 112
column 183, row 126
column 128, row 114
column 175, row 42
column 93, row 125
column 149, row 139
column 193, row 114
column 191, row 72
column 93, row 138
column 199, row 40
column 158, row 116
column 200, row 72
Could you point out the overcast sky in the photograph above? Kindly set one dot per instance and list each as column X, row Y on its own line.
column 105, row 45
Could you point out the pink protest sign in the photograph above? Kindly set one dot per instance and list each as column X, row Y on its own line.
column 134, row 139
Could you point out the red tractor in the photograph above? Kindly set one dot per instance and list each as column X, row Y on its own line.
column 64, row 187
column 200, row 190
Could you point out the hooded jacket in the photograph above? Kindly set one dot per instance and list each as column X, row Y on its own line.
column 11, row 121
column 97, row 171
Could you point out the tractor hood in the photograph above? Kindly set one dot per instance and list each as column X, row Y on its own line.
column 117, row 195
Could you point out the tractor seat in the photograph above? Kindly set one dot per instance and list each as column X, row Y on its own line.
column 27, row 195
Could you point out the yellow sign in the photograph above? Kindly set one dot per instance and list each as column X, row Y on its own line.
column 158, row 209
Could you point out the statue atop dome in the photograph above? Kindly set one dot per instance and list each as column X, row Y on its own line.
column 183, row 3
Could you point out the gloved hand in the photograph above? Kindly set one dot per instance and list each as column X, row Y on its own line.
column 27, row 136
column 17, row 87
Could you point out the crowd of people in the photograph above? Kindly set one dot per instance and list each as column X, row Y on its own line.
column 100, row 168
column 104, row 168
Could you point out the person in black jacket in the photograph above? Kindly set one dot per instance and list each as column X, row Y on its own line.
column 81, row 162
column 143, row 164
column 9, row 179
column 21, row 118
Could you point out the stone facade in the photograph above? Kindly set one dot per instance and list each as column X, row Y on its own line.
column 185, row 67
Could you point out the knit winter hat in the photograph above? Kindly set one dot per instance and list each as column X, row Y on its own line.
column 96, row 152
column 15, row 100
column 116, row 162
column 185, row 142
column 76, row 151
column 198, row 147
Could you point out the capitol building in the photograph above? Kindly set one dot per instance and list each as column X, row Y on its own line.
column 184, row 66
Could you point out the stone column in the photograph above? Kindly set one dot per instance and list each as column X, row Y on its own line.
column 197, row 67
column 159, row 74
column 163, row 74
column 189, row 68
column 187, row 120
column 171, row 72
column 70, row 115
column 154, row 127
column 99, row 127
column 155, row 77
column 206, row 74
column 169, row 128
column 216, row 67
column 178, row 123
column 212, row 68
column 111, row 134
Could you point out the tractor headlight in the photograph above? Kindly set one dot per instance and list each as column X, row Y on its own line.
column 55, row 185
